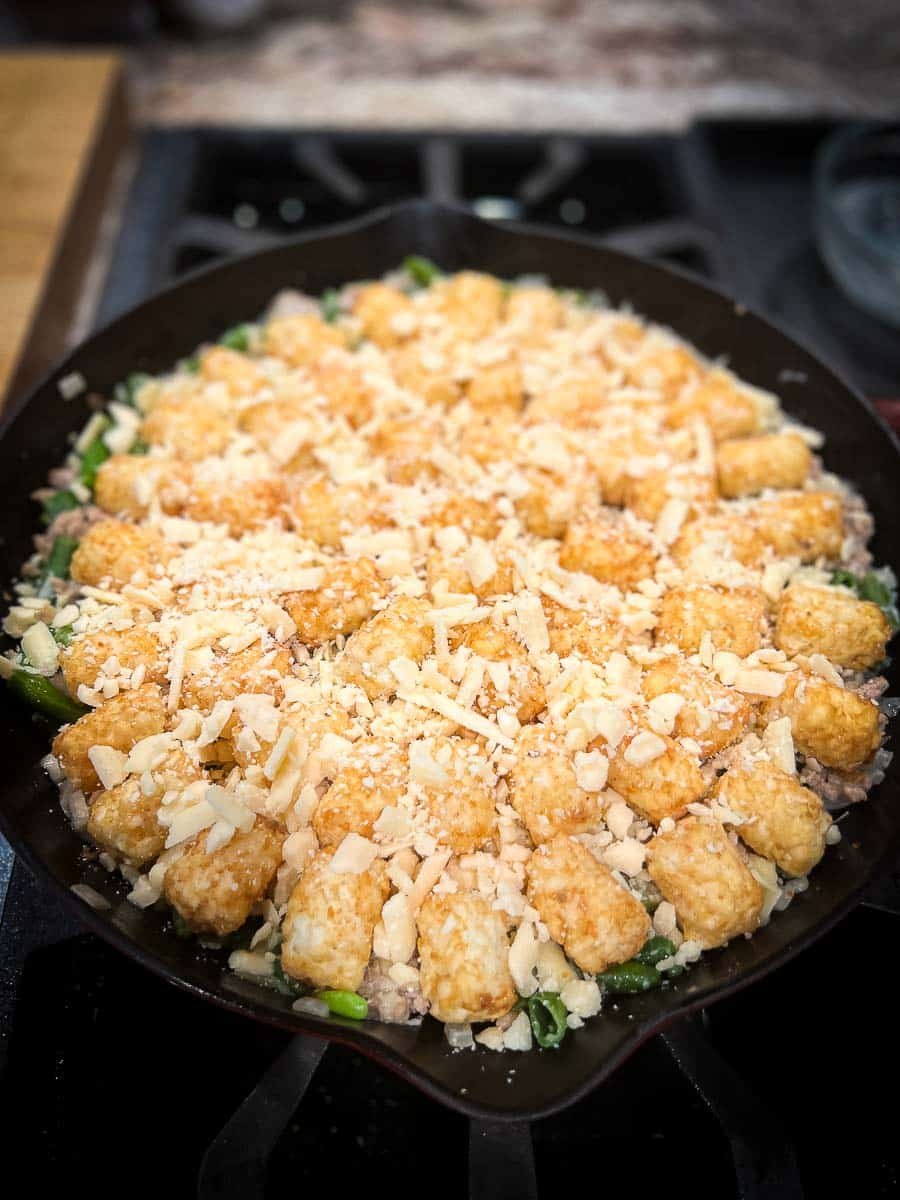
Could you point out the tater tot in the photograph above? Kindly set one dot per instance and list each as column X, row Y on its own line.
column 189, row 431
column 464, row 952
column 327, row 512
column 265, row 420
column 309, row 721
column 83, row 660
column 576, row 402
column 748, row 465
column 119, row 723
column 809, row 525
column 401, row 630
column 387, row 316
column 124, row 821
column 449, row 571
column 543, row 788
column 733, row 617
column 658, row 778
column 346, row 391
column 718, row 537
column 575, row 631
column 496, row 387
column 667, row 368
column 301, row 340
column 551, row 501
column 215, row 892
column 831, row 621
column 479, row 518
column 471, row 301
column 373, row 776
column 457, row 786
column 406, row 443
column 128, row 483
column 712, row 714
column 783, row 821
column 520, row 687
column 248, row 506
column 346, row 597
column 535, row 311
column 220, row 676
column 240, row 374
column 487, row 436
column 717, row 400
column 115, row 552
column 828, row 722
column 330, row 920
column 594, row 919
column 610, row 550
column 426, row 374
column 701, row 873
column 610, row 456
column 270, row 421
column 647, row 495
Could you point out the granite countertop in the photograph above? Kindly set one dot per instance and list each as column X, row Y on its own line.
column 572, row 64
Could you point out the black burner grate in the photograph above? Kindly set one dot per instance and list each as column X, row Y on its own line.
column 201, row 195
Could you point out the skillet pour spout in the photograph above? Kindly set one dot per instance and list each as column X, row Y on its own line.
column 169, row 326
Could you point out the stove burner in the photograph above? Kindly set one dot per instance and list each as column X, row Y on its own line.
column 501, row 1153
column 81, row 1024
column 236, row 1163
column 233, row 192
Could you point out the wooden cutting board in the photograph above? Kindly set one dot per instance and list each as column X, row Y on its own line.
column 62, row 126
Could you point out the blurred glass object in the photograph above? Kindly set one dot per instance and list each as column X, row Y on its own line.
column 218, row 16
column 857, row 200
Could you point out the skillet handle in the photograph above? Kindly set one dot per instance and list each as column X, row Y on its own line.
column 501, row 1161
column 234, row 1165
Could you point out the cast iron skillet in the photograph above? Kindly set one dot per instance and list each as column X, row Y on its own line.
column 171, row 325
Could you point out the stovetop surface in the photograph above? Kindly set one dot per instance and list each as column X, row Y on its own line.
column 114, row 1077
column 117, row 1076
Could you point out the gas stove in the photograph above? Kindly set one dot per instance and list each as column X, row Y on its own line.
column 103, row 1060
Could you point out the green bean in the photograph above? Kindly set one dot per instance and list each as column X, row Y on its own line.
column 875, row 589
column 580, row 297
column 345, row 1004
column 126, row 391
column 58, row 503
column 96, row 453
column 547, row 1015
column 331, row 305
column 281, row 982
column 629, row 978
column 40, row 694
column 180, row 926
column 421, row 270
column 237, row 338
column 191, row 364
column 871, row 587
column 60, row 556
column 844, row 579
column 57, row 563
column 654, row 950
column 63, row 635
column 139, row 447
